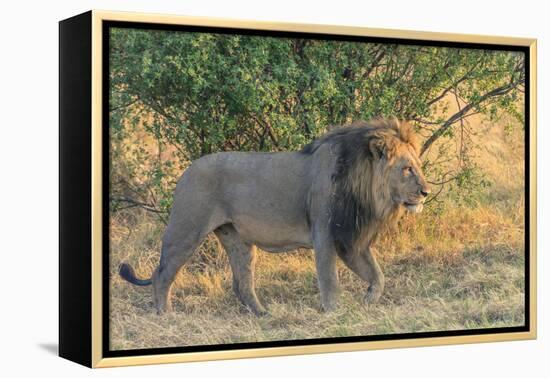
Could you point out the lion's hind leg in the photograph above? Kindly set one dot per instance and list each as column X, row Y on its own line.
column 242, row 258
column 180, row 241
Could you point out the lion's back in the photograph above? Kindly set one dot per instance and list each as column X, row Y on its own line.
column 248, row 179
column 264, row 195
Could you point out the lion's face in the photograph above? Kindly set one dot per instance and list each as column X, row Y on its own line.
column 408, row 187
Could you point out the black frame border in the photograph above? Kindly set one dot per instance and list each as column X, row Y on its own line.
column 106, row 352
column 75, row 215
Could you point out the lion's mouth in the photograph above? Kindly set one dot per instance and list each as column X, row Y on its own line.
column 414, row 207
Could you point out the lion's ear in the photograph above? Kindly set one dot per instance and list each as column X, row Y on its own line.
column 380, row 146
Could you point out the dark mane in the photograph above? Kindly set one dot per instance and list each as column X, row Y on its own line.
column 360, row 205
column 356, row 129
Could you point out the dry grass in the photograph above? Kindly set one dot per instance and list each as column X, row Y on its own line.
column 460, row 268
column 444, row 278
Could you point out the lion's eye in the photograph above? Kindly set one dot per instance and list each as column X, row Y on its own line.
column 408, row 170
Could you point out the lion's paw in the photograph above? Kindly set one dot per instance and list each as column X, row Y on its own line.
column 373, row 295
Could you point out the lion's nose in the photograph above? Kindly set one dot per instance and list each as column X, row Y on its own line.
column 425, row 192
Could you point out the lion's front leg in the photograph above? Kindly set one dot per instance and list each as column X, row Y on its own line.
column 366, row 267
column 327, row 273
column 376, row 277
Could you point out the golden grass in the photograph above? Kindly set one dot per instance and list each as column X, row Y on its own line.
column 457, row 268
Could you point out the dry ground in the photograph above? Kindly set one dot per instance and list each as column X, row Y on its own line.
column 459, row 268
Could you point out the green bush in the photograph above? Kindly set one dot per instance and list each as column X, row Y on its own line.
column 199, row 93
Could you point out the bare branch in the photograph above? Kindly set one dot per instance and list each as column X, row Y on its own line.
column 454, row 84
column 134, row 203
column 267, row 128
column 123, row 105
column 433, row 197
column 380, row 54
column 131, row 203
column 462, row 112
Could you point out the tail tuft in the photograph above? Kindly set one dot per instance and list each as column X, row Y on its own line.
column 127, row 273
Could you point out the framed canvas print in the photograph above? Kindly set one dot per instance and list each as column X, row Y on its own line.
column 236, row 189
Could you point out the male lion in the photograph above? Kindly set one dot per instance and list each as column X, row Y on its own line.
column 334, row 196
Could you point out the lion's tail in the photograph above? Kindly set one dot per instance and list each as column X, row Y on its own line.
column 127, row 273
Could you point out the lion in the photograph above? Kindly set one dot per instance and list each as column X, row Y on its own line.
column 334, row 196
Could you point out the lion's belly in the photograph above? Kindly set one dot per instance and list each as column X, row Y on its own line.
column 273, row 236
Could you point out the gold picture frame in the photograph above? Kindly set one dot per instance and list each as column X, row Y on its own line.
column 82, row 102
